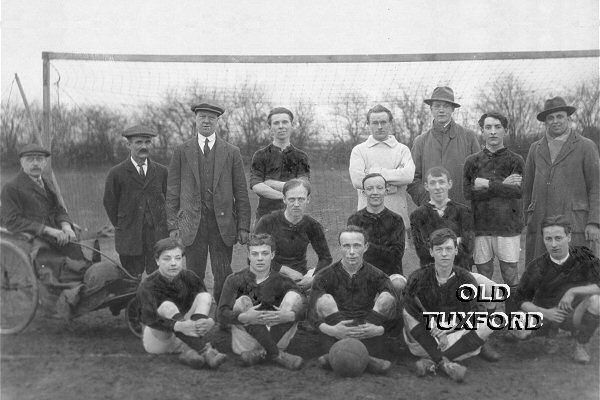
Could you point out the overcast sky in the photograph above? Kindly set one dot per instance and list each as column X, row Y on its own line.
column 285, row 27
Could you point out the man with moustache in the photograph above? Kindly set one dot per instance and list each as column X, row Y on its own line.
column 207, row 197
column 445, row 144
column 492, row 181
column 277, row 163
column 134, row 200
column 30, row 205
column 561, row 178
column 381, row 153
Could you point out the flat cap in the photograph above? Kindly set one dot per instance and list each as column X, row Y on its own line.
column 33, row 148
column 206, row 106
column 138, row 130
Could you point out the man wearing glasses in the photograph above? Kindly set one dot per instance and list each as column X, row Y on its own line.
column 293, row 230
column 445, row 144
column 207, row 197
column 381, row 153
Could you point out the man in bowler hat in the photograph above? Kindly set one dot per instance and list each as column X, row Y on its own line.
column 445, row 144
column 134, row 200
column 207, row 197
column 561, row 178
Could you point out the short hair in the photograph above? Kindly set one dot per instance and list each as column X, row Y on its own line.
column 355, row 229
column 260, row 239
column 437, row 171
column 373, row 175
column 167, row 244
column 557, row 220
column 294, row 183
column 379, row 109
column 440, row 236
column 279, row 110
column 496, row 115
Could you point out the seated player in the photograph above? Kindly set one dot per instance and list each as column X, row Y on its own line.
column 353, row 299
column 385, row 229
column 442, row 212
column 292, row 231
column 564, row 285
column 433, row 288
column 174, row 309
column 263, row 307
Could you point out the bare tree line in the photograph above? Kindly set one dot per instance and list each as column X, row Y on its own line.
column 91, row 134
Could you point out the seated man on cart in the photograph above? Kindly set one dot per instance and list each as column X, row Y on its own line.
column 30, row 209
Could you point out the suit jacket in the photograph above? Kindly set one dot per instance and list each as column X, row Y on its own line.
column 26, row 207
column 567, row 186
column 229, row 187
column 125, row 195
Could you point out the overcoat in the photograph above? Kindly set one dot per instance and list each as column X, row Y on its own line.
column 126, row 194
column 229, row 188
column 568, row 186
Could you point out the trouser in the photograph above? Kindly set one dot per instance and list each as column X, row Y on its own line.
column 208, row 239
column 272, row 339
column 162, row 342
column 137, row 264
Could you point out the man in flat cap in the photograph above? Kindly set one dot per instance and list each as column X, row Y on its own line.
column 134, row 200
column 277, row 163
column 207, row 197
column 561, row 178
column 382, row 154
column 445, row 144
column 30, row 204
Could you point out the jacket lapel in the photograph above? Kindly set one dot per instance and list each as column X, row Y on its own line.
column 191, row 152
column 220, row 158
column 26, row 181
column 133, row 172
column 568, row 147
column 151, row 172
column 544, row 151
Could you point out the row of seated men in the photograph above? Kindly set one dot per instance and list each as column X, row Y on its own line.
column 364, row 294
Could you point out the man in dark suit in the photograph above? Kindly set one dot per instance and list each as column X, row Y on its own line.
column 30, row 205
column 134, row 200
column 207, row 197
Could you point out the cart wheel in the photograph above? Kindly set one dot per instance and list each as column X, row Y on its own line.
column 19, row 289
column 132, row 314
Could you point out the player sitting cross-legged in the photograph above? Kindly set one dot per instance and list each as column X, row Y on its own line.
column 263, row 307
column 175, row 308
column 434, row 289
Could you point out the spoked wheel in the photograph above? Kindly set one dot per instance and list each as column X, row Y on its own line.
column 19, row 288
column 132, row 314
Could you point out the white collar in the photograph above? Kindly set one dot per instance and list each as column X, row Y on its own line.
column 136, row 165
column 202, row 139
column 390, row 141
column 559, row 262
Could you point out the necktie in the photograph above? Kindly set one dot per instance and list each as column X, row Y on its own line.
column 142, row 174
column 206, row 148
column 40, row 182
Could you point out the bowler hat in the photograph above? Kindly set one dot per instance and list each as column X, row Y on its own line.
column 210, row 107
column 138, row 130
column 553, row 105
column 33, row 148
column 442, row 93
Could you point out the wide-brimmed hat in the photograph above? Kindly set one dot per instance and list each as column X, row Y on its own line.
column 138, row 130
column 442, row 93
column 33, row 148
column 208, row 106
column 553, row 105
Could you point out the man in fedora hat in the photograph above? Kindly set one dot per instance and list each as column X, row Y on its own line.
column 445, row 144
column 207, row 197
column 134, row 200
column 561, row 178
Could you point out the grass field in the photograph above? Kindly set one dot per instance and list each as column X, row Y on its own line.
column 95, row 357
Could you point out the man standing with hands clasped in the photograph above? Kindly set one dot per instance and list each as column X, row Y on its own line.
column 207, row 197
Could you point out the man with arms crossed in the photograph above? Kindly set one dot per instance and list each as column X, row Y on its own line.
column 353, row 299
column 564, row 285
column 262, row 307
column 277, row 163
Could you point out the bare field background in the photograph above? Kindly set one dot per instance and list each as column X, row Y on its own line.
column 96, row 357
